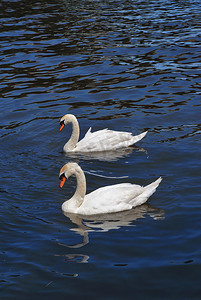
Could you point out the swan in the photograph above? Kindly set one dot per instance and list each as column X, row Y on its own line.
column 108, row 199
column 101, row 140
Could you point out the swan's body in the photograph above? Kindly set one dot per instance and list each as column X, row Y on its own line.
column 101, row 140
column 108, row 199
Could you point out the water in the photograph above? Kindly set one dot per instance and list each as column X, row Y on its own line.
column 124, row 65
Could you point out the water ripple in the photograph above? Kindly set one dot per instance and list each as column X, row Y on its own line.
column 123, row 65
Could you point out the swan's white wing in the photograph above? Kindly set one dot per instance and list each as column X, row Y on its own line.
column 87, row 134
column 118, row 197
column 106, row 140
column 110, row 199
column 146, row 193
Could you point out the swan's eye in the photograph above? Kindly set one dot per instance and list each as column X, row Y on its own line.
column 61, row 176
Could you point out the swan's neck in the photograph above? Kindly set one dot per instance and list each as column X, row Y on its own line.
column 76, row 201
column 71, row 144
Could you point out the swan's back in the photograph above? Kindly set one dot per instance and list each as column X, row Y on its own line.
column 110, row 199
column 118, row 197
column 106, row 140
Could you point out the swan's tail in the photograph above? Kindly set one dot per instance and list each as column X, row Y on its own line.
column 131, row 140
column 146, row 193
column 137, row 138
column 153, row 185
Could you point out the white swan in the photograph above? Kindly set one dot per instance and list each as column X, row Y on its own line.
column 101, row 140
column 108, row 199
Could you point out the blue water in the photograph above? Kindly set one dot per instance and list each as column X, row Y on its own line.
column 123, row 65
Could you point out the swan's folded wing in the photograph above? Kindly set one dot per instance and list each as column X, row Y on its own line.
column 106, row 140
column 110, row 199
column 87, row 134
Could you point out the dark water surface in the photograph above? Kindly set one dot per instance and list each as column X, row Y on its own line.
column 124, row 65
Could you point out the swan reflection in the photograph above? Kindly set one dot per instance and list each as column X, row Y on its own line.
column 79, row 258
column 105, row 222
column 106, row 155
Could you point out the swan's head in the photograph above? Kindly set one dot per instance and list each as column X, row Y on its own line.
column 65, row 120
column 68, row 170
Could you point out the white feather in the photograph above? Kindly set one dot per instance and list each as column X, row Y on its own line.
column 108, row 199
column 101, row 140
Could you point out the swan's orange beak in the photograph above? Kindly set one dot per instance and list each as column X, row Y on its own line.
column 62, row 126
column 63, row 179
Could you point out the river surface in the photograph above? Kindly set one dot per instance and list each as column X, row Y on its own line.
column 124, row 65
